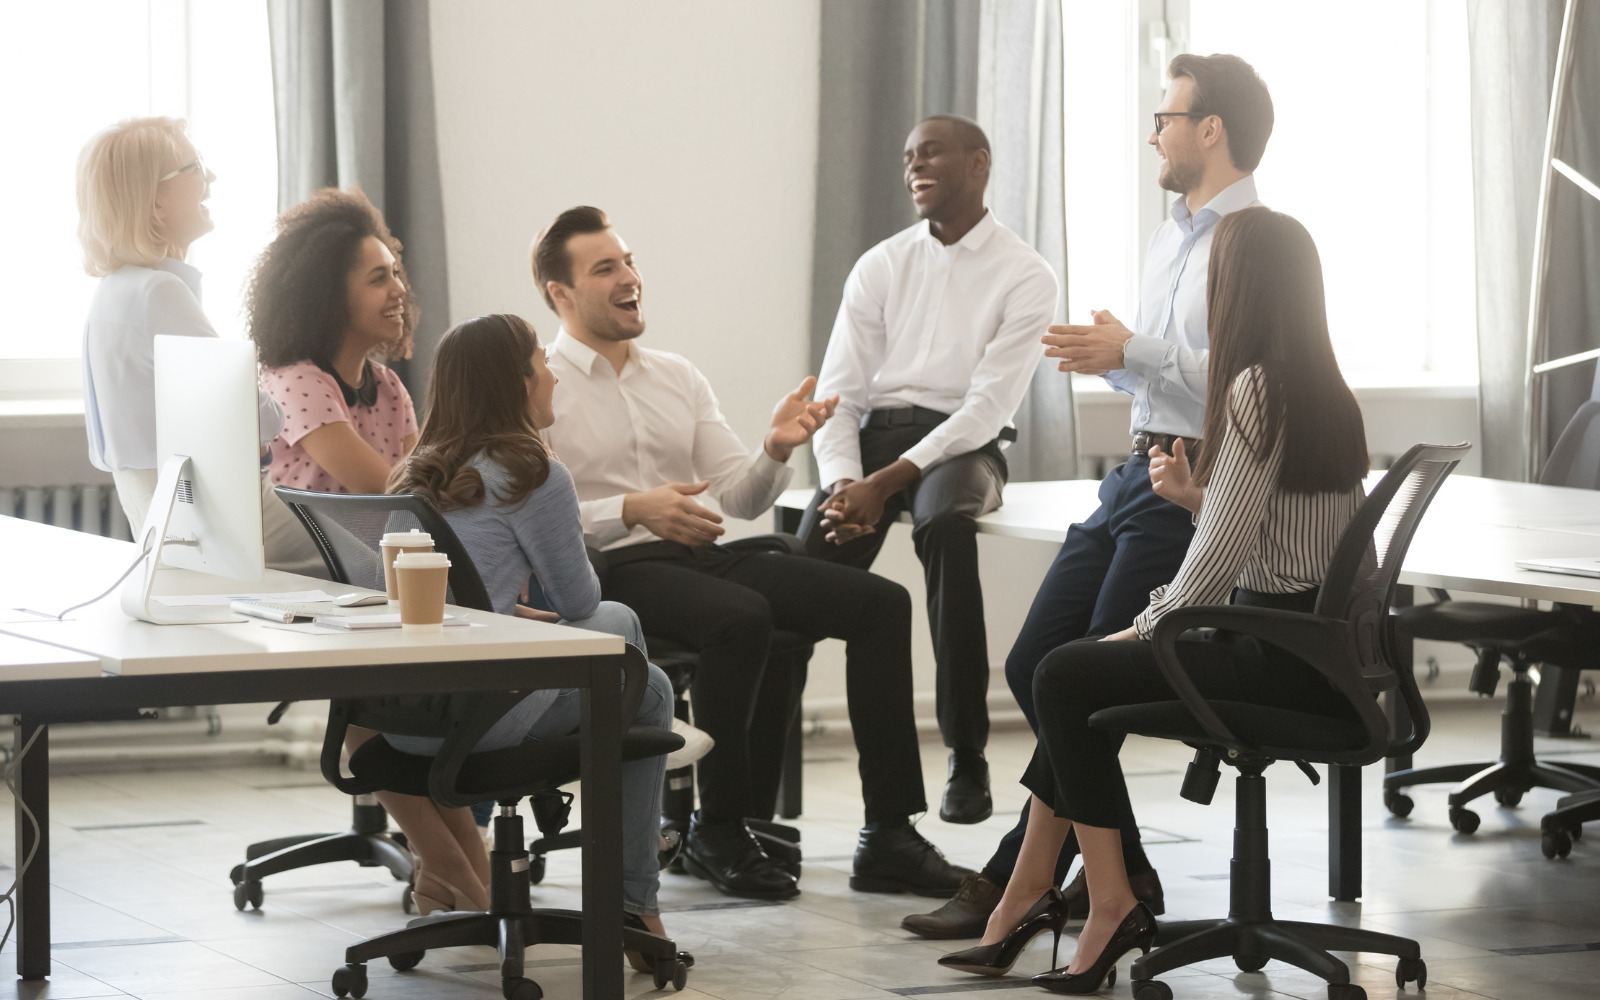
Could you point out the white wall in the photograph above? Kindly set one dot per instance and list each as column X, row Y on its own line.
column 692, row 124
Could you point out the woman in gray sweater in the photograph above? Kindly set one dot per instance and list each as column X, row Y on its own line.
column 481, row 463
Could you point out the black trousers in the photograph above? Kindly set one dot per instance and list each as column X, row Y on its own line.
column 725, row 605
column 1075, row 769
column 1101, row 578
column 944, row 506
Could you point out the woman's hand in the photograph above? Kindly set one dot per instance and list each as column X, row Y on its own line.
column 534, row 614
column 1170, row 478
column 1129, row 634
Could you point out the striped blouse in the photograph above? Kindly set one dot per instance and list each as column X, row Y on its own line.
column 1249, row 533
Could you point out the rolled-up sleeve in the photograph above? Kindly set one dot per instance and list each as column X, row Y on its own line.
column 745, row 484
column 1176, row 369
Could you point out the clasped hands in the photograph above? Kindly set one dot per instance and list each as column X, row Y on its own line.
column 1089, row 350
column 669, row 510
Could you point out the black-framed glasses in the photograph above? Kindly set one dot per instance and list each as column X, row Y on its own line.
column 1162, row 116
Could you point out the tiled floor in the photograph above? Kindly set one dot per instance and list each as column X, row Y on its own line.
column 142, row 904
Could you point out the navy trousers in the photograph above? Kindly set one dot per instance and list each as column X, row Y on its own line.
column 1133, row 543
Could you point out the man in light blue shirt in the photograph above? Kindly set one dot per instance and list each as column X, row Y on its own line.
column 1210, row 133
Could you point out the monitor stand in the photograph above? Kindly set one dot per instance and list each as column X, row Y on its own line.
column 137, row 601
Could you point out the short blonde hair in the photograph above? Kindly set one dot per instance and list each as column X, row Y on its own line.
column 118, row 173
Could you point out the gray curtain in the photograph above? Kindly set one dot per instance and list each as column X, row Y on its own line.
column 1513, row 51
column 889, row 63
column 353, row 83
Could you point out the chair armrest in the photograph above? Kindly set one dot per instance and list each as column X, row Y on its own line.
column 1410, row 695
column 777, row 541
column 1320, row 642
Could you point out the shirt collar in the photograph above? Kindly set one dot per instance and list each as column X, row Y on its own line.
column 585, row 357
column 975, row 238
column 187, row 273
column 1240, row 194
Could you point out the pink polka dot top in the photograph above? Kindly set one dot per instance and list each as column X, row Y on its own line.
column 311, row 398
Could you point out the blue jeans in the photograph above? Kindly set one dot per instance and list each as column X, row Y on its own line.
column 549, row 714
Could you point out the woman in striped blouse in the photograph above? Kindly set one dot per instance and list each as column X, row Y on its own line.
column 1278, row 479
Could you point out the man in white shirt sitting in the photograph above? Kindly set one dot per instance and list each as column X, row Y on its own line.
column 652, row 457
column 1210, row 133
column 936, row 341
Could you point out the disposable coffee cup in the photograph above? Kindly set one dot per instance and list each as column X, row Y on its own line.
column 394, row 543
column 423, row 577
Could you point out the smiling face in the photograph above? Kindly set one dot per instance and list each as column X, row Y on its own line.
column 606, row 294
column 941, row 172
column 181, row 212
column 1178, row 143
column 541, row 391
column 376, row 296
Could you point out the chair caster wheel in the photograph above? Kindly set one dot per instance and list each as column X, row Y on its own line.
column 521, row 989
column 1464, row 820
column 1250, row 963
column 1508, row 797
column 350, row 980
column 670, row 970
column 536, row 869
column 408, row 899
column 1555, row 843
column 1411, row 970
column 406, row 960
column 248, row 893
column 1398, row 802
column 1151, row 989
column 1346, row 991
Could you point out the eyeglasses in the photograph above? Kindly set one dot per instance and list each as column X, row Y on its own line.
column 1162, row 116
column 198, row 164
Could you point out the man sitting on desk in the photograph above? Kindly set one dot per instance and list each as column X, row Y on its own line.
column 648, row 449
column 1210, row 133
column 936, row 341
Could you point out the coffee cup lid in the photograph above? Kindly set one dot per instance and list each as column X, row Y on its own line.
column 421, row 560
column 408, row 538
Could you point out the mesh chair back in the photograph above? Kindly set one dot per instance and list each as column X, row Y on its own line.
column 1575, row 460
column 347, row 529
column 1365, row 567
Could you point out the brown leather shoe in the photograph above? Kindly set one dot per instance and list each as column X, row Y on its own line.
column 1146, row 889
column 964, row 916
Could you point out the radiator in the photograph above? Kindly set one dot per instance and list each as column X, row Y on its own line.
column 90, row 507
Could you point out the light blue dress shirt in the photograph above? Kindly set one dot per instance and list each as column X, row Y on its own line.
column 1166, row 359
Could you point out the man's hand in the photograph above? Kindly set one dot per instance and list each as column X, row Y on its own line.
column 1170, row 478
column 668, row 511
column 852, row 511
column 1129, row 634
column 795, row 419
column 1089, row 350
column 534, row 614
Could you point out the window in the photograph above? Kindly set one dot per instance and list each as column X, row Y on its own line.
column 1371, row 150
column 70, row 69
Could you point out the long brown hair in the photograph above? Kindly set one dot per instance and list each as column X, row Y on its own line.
column 1265, row 308
column 477, row 402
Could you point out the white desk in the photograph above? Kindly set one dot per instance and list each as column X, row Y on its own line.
column 122, row 665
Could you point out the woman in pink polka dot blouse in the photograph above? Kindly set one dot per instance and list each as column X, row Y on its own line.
column 328, row 300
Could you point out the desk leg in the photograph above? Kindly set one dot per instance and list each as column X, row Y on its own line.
column 600, row 741
column 1344, row 833
column 33, row 889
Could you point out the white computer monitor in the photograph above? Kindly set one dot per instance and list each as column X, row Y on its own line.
column 206, row 512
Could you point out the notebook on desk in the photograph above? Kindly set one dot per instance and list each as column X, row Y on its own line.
column 1578, row 566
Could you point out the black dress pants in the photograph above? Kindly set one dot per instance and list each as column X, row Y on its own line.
column 1101, row 579
column 944, row 504
column 725, row 605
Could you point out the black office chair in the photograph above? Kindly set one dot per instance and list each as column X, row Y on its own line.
column 1502, row 632
column 1349, row 640
column 678, row 661
column 346, row 530
column 1575, row 648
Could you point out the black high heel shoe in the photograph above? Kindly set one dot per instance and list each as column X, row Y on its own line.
column 1138, row 930
column 1048, row 914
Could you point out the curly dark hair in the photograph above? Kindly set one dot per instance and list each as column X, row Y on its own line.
column 296, row 302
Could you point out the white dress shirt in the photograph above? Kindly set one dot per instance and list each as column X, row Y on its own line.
column 1166, row 359
column 655, row 423
column 951, row 328
column 132, row 306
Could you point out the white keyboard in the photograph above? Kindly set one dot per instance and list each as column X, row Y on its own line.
column 288, row 611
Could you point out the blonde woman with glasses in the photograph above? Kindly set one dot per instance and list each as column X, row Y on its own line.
column 142, row 190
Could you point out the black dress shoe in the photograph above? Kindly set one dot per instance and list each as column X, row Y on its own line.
column 779, row 842
column 966, row 791
column 727, row 856
column 966, row 915
column 1146, row 889
column 898, row 859
column 1137, row 930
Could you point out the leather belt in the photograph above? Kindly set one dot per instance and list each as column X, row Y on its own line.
column 1143, row 441
column 917, row 416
